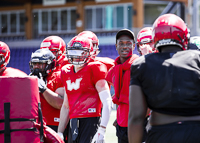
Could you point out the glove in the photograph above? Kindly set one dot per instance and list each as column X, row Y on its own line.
column 61, row 135
column 41, row 84
column 99, row 137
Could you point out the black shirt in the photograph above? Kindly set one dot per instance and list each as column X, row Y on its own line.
column 170, row 81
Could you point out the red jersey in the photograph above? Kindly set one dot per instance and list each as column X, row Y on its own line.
column 65, row 62
column 62, row 62
column 83, row 97
column 50, row 113
column 57, row 68
column 12, row 72
column 106, row 61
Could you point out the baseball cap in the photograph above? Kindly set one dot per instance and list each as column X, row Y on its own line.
column 125, row 32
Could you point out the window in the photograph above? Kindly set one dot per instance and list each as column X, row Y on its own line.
column 152, row 10
column 52, row 21
column 120, row 14
column 22, row 22
column 12, row 22
column 130, row 11
column 199, row 17
column 73, row 19
column 4, row 23
column 88, row 19
column 109, row 21
column 99, row 17
column 35, row 24
column 108, row 17
column 64, row 20
column 44, row 21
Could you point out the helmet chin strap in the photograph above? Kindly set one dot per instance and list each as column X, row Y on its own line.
column 2, row 69
column 78, row 66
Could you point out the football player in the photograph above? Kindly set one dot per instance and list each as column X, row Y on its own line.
column 172, row 93
column 42, row 65
column 86, row 90
column 145, row 44
column 4, row 60
column 95, row 41
column 58, row 47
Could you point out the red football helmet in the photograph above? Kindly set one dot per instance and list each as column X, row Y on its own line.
column 4, row 54
column 95, row 41
column 169, row 29
column 79, row 50
column 56, row 45
column 145, row 37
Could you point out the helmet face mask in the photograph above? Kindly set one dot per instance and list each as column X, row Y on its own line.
column 79, row 50
column 95, row 51
column 2, row 59
column 4, row 54
column 145, row 37
column 38, row 67
column 42, row 61
column 78, row 56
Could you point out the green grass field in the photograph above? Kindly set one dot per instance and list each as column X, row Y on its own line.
column 111, row 130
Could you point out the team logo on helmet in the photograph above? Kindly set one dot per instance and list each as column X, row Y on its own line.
column 77, row 44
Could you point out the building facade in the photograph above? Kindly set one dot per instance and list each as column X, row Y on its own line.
column 33, row 19
column 25, row 23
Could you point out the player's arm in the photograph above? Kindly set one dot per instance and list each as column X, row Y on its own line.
column 109, row 76
column 64, row 115
column 104, row 94
column 137, row 113
column 55, row 99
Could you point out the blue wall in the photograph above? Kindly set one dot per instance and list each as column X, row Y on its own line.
column 20, row 57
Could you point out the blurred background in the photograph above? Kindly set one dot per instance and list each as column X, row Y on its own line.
column 25, row 23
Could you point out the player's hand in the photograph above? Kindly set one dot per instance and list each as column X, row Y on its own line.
column 145, row 49
column 41, row 84
column 99, row 137
column 61, row 135
column 115, row 123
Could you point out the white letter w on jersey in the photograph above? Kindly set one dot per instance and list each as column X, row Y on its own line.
column 73, row 85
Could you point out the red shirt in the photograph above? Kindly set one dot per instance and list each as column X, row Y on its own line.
column 65, row 62
column 82, row 95
column 12, row 72
column 121, row 85
column 106, row 61
column 50, row 113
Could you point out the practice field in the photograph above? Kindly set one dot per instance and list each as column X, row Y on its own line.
column 111, row 130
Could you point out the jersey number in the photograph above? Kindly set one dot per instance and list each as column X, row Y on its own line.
column 73, row 85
